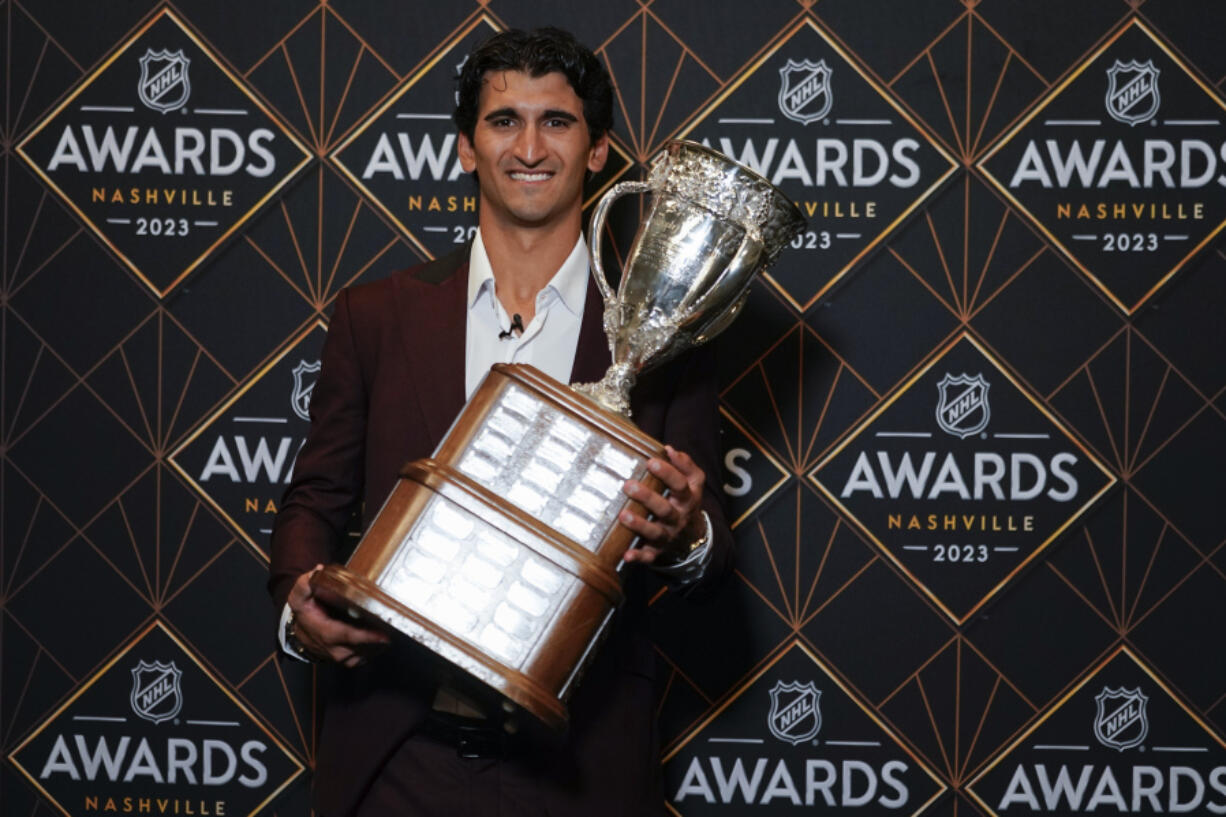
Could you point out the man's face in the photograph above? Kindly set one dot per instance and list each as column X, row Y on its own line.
column 531, row 149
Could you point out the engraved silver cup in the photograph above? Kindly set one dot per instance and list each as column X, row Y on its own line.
column 712, row 226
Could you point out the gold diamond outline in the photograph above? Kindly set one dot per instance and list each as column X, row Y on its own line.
column 922, row 197
column 784, row 473
column 796, row 643
column 1050, row 97
column 242, row 219
column 864, row 426
column 394, row 96
column 106, row 668
column 1051, row 709
column 216, row 414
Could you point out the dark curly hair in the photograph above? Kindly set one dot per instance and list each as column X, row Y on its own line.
column 537, row 53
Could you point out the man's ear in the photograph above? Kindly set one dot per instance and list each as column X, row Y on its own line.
column 598, row 154
column 468, row 157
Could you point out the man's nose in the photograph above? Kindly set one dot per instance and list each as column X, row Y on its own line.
column 529, row 145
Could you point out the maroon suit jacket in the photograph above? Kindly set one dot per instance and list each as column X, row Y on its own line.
column 391, row 384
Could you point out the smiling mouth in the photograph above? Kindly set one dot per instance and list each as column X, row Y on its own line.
column 524, row 176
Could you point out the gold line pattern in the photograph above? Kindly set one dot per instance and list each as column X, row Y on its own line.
column 1134, row 398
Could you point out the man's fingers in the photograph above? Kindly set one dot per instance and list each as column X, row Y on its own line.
column 301, row 591
column 332, row 632
column 655, row 504
column 650, row 530
column 671, row 514
column 680, row 475
column 646, row 554
column 682, row 461
column 669, row 474
column 695, row 477
column 674, row 516
column 349, row 635
column 323, row 634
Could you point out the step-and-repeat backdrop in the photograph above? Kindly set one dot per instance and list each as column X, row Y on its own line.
column 974, row 421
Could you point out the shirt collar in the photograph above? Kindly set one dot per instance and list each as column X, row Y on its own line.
column 569, row 282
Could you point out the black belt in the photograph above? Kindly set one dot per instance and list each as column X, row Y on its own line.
column 471, row 737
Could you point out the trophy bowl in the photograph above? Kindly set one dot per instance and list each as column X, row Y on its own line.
column 712, row 226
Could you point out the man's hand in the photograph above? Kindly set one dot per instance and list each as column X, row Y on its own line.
column 678, row 520
column 326, row 637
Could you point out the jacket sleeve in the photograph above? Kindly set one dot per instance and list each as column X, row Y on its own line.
column 691, row 424
column 327, row 483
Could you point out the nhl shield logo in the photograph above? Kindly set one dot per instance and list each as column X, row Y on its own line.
column 164, row 85
column 1132, row 91
column 963, row 406
column 804, row 90
column 1121, row 722
column 794, row 716
column 156, row 695
column 300, row 400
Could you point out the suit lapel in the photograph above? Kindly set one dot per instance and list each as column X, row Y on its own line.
column 432, row 327
column 592, row 357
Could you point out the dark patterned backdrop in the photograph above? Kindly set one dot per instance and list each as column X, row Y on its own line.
column 975, row 421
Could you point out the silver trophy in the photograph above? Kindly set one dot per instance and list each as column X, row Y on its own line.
column 500, row 554
column 713, row 225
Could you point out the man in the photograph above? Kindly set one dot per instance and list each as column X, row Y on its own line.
column 401, row 356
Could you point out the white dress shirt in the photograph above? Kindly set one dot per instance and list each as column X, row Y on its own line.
column 548, row 342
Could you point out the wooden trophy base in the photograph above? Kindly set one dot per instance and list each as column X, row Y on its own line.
column 501, row 557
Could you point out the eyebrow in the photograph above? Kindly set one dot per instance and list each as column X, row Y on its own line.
column 503, row 113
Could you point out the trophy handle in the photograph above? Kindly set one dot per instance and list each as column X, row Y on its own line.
column 596, row 230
